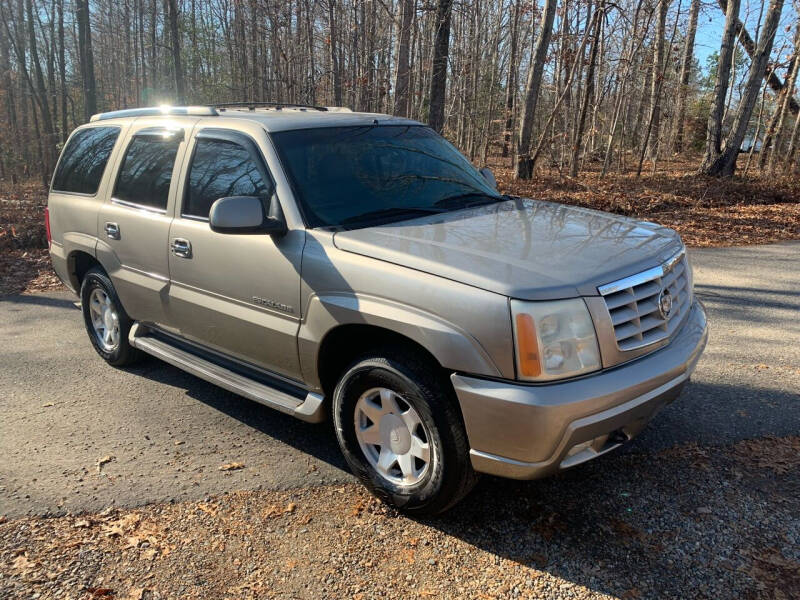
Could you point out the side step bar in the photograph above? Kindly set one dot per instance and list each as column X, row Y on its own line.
column 298, row 402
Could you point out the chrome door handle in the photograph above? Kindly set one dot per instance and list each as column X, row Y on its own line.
column 112, row 231
column 181, row 247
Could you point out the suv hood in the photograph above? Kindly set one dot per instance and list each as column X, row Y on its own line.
column 526, row 249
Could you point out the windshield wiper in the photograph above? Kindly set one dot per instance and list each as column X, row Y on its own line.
column 461, row 200
column 388, row 213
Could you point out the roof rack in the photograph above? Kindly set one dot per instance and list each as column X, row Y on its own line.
column 275, row 105
column 211, row 110
column 198, row 111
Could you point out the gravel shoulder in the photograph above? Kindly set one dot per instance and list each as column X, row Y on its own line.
column 686, row 523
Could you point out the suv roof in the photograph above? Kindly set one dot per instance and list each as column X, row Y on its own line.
column 272, row 116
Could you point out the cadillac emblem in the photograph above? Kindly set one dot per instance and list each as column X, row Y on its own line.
column 665, row 304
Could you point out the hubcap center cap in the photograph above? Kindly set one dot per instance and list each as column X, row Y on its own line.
column 395, row 434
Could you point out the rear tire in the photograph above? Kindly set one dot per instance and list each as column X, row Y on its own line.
column 106, row 321
column 400, row 430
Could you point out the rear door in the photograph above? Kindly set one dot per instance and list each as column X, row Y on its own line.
column 237, row 294
column 133, row 224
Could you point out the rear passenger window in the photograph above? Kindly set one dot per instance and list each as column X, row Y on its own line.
column 146, row 171
column 221, row 168
column 84, row 160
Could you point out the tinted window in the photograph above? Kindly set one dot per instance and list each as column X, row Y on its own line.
column 146, row 171
column 84, row 160
column 220, row 169
column 356, row 176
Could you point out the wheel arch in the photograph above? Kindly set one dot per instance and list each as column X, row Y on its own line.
column 78, row 264
column 337, row 328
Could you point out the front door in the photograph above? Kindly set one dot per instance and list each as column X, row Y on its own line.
column 237, row 294
column 134, row 223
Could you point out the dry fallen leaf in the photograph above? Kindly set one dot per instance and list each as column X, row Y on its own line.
column 103, row 461
column 234, row 466
column 22, row 564
column 134, row 594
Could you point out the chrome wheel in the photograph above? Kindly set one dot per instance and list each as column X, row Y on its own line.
column 392, row 437
column 105, row 320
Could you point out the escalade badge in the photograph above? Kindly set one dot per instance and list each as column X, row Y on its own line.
column 665, row 304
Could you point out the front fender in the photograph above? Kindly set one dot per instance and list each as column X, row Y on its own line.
column 453, row 347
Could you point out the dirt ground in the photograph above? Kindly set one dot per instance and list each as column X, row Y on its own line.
column 708, row 523
column 705, row 211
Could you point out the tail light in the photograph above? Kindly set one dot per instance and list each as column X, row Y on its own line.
column 47, row 227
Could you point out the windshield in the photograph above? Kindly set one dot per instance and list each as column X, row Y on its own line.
column 358, row 176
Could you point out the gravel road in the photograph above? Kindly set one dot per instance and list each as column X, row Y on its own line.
column 704, row 503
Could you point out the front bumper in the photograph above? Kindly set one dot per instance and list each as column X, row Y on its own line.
column 530, row 431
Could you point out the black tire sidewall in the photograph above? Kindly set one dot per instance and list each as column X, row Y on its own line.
column 422, row 389
column 123, row 353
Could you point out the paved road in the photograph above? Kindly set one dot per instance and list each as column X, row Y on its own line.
column 62, row 409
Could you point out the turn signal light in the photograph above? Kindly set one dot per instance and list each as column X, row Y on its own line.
column 528, row 347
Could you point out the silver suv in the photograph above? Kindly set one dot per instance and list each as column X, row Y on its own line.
column 326, row 262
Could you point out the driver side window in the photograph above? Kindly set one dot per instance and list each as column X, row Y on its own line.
column 220, row 168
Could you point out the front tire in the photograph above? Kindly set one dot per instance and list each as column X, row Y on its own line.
column 106, row 321
column 399, row 428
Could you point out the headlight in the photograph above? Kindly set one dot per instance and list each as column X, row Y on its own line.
column 554, row 339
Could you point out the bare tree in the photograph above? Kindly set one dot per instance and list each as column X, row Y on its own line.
column 406, row 8
column 714, row 131
column 524, row 164
column 180, row 85
column 686, row 70
column 511, row 81
column 441, row 49
column 725, row 163
column 86, row 57
column 588, row 92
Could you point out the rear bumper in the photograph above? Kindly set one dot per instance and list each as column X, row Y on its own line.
column 530, row 431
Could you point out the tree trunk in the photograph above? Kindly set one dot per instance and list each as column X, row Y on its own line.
column 725, row 164
column 686, row 70
column 792, row 144
column 337, row 75
column 524, row 164
column 656, row 82
column 402, row 78
column 40, row 94
column 588, row 92
column 86, row 58
column 180, row 84
column 511, row 81
column 749, row 46
column 441, row 50
column 794, row 65
column 714, row 131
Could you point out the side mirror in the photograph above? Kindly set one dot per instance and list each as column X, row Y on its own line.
column 489, row 176
column 243, row 214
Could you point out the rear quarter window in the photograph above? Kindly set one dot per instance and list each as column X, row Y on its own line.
column 146, row 171
column 84, row 160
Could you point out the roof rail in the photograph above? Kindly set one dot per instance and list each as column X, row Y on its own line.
column 198, row 111
column 275, row 105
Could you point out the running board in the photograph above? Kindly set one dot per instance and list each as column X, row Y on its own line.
column 302, row 404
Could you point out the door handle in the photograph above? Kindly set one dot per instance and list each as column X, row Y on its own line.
column 181, row 247
column 112, row 231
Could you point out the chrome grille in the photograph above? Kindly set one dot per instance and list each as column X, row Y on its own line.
column 633, row 303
